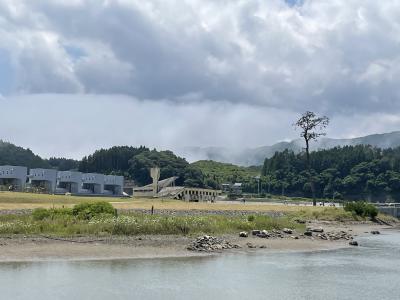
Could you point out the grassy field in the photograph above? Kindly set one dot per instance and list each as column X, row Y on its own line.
column 14, row 200
column 138, row 224
column 60, row 222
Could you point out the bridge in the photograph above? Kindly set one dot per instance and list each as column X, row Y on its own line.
column 392, row 209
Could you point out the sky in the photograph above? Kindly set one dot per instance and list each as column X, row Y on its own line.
column 79, row 75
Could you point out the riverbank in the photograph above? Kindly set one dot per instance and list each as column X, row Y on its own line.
column 42, row 248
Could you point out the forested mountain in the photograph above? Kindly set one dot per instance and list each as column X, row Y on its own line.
column 256, row 156
column 114, row 160
column 134, row 163
column 219, row 173
column 63, row 164
column 351, row 172
column 14, row 155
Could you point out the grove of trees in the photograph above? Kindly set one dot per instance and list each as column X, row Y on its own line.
column 351, row 172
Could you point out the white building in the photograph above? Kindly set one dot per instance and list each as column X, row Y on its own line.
column 69, row 182
column 92, row 183
column 45, row 178
column 13, row 176
column 113, row 185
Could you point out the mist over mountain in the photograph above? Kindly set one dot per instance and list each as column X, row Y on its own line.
column 256, row 156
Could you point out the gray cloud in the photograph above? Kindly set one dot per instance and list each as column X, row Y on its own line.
column 75, row 125
column 340, row 56
column 208, row 73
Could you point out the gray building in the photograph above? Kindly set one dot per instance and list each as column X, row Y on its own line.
column 69, row 182
column 92, row 183
column 13, row 177
column 45, row 179
column 113, row 184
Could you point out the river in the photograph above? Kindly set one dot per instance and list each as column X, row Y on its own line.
column 371, row 271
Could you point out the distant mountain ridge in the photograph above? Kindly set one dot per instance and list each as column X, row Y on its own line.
column 256, row 156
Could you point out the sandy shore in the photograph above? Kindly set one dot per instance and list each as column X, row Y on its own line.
column 39, row 248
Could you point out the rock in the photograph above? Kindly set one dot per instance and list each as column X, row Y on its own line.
column 319, row 229
column 353, row 243
column 251, row 246
column 375, row 232
column 287, row 230
column 300, row 221
column 255, row 232
column 243, row 234
column 264, row 234
column 295, row 237
column 308, row 233
column 208, row 244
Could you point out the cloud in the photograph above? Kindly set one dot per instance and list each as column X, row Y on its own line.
column 84, row 74
column 339, row 56
column 74, row 125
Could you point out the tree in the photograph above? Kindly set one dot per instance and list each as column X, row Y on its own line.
column 311, row 129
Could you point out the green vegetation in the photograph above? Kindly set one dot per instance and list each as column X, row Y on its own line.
column 90, row 210
column 359, row 172
column 362, row 209
column 13, row 155
column 325, row 214
column 114, row 160
column 134, row 163
column 216, row 173
column 65, row 223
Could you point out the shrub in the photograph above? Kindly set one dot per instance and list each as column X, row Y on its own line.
column 250, row 218
column 88, row 210
column 362, row 209
column 39, row 214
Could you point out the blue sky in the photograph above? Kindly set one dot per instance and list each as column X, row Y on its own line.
column 198, row 69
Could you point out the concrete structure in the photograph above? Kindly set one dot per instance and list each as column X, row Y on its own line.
column 13, row 177
column 45, row 179
column 234, row 189
column 189, row 194
column 166, row 188
column 155, row 175
column 113, row 185
column 149, row 190
column 92, row 183
column 51, row 181
column 69, row 182
column 392, row 209
column 129, row 185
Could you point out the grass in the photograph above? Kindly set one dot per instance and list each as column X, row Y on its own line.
column 64, row 224
column 14, row 201
column 138, row 224
column 325, row 214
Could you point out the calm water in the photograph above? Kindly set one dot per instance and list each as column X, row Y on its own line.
column 370, row 271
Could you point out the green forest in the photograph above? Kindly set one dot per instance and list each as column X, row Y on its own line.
column 350, row 172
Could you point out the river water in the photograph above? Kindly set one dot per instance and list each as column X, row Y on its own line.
column 371, row 271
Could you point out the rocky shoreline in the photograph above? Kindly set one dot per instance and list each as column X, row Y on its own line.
column 319, row 236
column 208, row 243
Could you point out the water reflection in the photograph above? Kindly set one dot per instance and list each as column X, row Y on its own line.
column 369, row 271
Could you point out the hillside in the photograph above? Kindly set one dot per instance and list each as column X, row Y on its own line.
column 349, row 172
column 14, row 155
column 256, row 156
column 224, row 172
